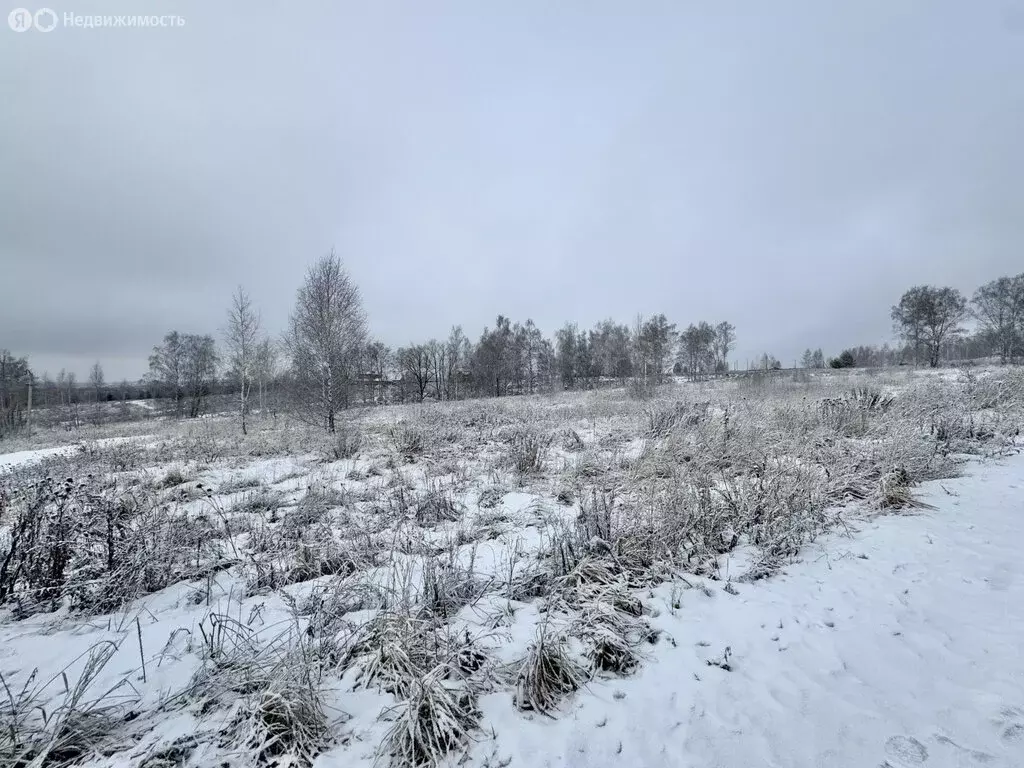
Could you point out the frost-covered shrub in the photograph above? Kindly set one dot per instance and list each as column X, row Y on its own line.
column 94, row 543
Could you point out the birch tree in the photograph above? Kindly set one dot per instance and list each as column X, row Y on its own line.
column 325, row 334
column 655, row 340
column 266, row 370
column 725, row 339
column 242, row 340
column 96, row 381
column 199, row 370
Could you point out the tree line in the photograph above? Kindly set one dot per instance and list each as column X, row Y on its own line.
column 927, row 317
column 332, row 361
column 326, row 361
column 930, row 321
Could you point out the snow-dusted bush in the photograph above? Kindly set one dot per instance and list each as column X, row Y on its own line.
column 94, row 543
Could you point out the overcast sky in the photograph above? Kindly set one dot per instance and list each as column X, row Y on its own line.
column 791, row 167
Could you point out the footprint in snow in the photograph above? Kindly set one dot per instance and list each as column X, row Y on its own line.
column 976, row 755
column 1011, row 725
column 903, row 752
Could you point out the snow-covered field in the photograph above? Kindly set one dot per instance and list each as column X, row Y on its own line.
column 899, row 646
column 816, row 572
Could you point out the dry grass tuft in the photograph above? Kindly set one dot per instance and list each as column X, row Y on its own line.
column 433, row 721
column 547, row 675
column 527, row 452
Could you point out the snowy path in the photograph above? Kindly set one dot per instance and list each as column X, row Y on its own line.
column 911, row 657
column 18, row 458
column 12, row 460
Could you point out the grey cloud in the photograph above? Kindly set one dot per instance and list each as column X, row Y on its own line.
column 789, row 166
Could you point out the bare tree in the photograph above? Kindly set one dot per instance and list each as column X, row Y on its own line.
column 71, row 383
column 698, row 349
column 725, row 339
column 999, row 308
column 654, row 341
column 610, row 345
column 123, row 388
column 567, row 339
column 199, row 370
column 517, row 359
column 438, row 353
column 546, row 366
column 415, row 365
column 15, row 376
column 184, row 365
column 166, row 366
column 927, row 316
column 460, row 351
column 266, row 370
column 491, row 358
column 326, row 332
column 62, row 384
column 47, row 386
column 96, row 380
column 533, row 346
column 242, row 339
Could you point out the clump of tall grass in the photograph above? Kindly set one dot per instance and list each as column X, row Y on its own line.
column 527, row 452
column 35, row 733
column 408, row 440
column 435, row 719
column 345, row 443
column 548, row 674
column 281, row 718
column 613, row 637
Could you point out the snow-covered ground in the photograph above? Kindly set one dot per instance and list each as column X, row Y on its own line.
column 9, row 461
column 291, row 598
column 901, row 646
column 17, row 458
